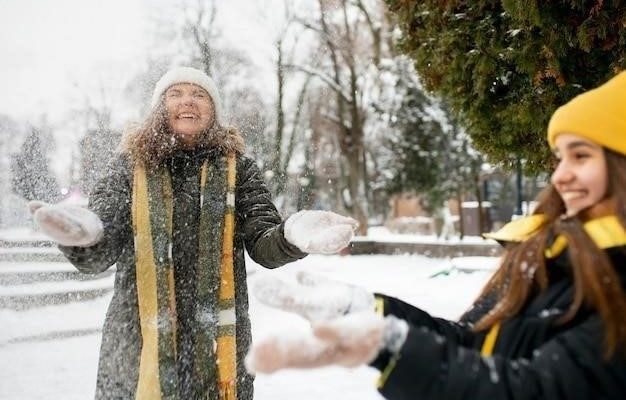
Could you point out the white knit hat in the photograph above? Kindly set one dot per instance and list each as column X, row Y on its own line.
column 189, row 75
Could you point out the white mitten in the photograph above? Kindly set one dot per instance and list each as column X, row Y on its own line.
column 313, row 297
column 348, row 341
column 322, row 232
column 68, row 225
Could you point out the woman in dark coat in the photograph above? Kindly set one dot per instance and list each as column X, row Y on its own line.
column 174, row 212
column 550, row 324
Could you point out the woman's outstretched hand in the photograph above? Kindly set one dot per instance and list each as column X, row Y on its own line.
column 319, row 232
column 68, row 225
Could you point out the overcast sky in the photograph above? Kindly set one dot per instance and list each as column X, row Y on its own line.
column 48, row 46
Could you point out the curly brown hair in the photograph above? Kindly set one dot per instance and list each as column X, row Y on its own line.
column 596, row 282
column 151, row 142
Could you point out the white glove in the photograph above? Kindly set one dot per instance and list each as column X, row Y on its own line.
column 68, row 225
column 323, row 232
column 347, row 341
column 313, row 297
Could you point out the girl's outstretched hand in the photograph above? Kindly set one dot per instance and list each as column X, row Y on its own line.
column 348, row 341
column 313, row 297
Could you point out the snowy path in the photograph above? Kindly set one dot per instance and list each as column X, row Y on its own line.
column 52, row 352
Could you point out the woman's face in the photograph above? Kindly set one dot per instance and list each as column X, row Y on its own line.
column 581, row 176
column 189, row 111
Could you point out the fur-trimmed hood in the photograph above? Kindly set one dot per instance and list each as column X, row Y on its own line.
column 152, row 143
column 227, row 140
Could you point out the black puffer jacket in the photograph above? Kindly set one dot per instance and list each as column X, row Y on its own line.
column 258, row 227
column 533, row 358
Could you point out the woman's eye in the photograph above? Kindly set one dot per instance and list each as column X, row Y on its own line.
column 580, row 156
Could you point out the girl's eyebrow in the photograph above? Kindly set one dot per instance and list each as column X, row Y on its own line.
column 577, row 144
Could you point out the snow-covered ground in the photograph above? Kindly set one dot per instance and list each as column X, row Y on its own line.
column 382, row 234
column 19, row 234
column 51, row 352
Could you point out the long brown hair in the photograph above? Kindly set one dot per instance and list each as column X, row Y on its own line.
column 597, row 285
column 152, row 141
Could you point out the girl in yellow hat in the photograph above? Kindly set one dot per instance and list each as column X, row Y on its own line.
column 551, row 322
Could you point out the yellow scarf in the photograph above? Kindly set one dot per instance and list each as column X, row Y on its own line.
column 215, row 368
column 606, row 232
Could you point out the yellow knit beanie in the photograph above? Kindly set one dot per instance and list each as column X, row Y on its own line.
column 598, row 115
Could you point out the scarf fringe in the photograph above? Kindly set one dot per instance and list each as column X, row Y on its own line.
column 227, row 390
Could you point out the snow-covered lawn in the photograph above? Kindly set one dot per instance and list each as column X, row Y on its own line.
column 382, row 234
column 21, row 234
column 52, row 352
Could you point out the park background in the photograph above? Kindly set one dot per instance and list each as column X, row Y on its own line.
column 424, row 120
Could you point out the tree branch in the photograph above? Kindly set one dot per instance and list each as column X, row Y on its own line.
column 323, row 77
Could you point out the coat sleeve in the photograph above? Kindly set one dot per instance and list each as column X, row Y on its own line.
column 569, row 366
column 111, row 201
column 263, row 226
column 460, row 332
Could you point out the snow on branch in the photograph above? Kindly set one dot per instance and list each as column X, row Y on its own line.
column 322, row 76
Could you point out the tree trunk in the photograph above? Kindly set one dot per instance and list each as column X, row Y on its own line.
column 479, row 199
column 356, row 191
column 275, row 167
column 459, row 199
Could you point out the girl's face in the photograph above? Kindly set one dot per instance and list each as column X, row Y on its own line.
column 189, row 111
column 581, row 176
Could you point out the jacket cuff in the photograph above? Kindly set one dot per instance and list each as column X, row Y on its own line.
column 414, row 367
column 382, row 360
column 289, row 248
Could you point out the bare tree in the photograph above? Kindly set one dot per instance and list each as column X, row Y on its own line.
column 287, row 115
column 200, row 27
column 347, row 57
column 92, row 117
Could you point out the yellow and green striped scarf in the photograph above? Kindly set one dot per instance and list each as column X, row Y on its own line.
column 215, row 368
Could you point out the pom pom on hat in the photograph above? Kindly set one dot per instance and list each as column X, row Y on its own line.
column 598, row 115
column 189, row 75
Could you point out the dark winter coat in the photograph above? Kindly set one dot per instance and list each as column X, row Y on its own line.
column 258, row 227
column 533, row 358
